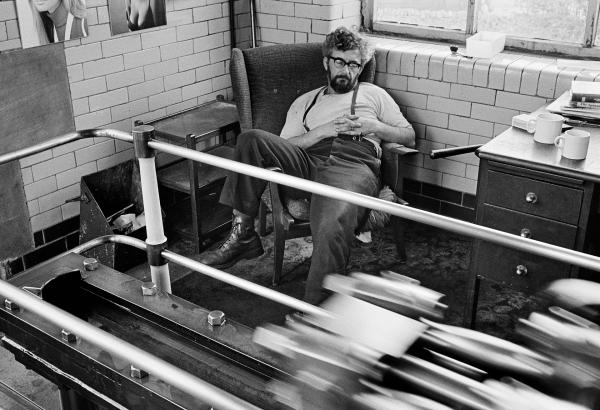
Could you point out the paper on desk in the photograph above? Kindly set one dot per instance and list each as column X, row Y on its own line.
column 560, row 106
column 370, row 325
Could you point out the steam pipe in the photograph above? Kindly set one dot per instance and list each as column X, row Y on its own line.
column 252, row 23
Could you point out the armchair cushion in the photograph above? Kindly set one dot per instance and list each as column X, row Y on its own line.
column 300, row 209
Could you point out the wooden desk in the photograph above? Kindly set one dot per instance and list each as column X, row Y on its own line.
column 211, row 128
column 528, row 189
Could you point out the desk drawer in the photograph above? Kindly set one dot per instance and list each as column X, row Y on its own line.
column 534, row 197
column 540, row 229
column 500, row 264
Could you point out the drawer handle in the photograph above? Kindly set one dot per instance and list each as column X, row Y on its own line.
column 525, row 233
column 521, row 270
column 531, row 198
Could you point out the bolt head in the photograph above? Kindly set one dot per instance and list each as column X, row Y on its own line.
column 138, row 373
column 68, row 336
column 10, row 305
column 216, row 318
column 149, row 288
column 90, row 264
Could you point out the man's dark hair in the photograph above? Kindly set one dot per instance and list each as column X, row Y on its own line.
column 345, row 39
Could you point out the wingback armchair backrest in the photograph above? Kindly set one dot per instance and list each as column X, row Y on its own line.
column 266, row 80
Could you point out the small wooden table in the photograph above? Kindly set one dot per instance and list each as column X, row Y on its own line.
column 212, row 128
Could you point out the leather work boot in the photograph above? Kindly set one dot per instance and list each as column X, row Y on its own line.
column 242, row 243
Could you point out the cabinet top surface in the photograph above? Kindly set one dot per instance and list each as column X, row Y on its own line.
column 198, row 120
column 518, row 148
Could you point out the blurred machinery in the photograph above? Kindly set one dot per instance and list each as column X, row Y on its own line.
column 377, row 343
column 384, row 348
column 110, row 341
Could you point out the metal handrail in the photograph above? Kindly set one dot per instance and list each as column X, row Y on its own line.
column 196, row 266
column 65, row 139
column 454, row 225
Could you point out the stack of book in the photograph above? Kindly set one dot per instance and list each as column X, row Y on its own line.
column 584, row 99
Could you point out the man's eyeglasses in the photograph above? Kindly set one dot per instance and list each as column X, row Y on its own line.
column 341, row 63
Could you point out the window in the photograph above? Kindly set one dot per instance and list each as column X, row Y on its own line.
column 555, row 26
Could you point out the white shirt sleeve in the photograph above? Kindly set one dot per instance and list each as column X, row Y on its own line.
column 390, row 112
column 293, row 122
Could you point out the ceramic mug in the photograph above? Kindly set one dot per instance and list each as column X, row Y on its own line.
column 573, row 143
column 547, row 128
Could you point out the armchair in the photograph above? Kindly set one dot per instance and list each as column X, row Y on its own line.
column 266, row 80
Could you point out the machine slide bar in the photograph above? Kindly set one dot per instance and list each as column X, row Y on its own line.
column 171, row 374
column 244, row 284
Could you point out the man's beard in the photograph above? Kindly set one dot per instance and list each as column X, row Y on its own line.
column 342, row 83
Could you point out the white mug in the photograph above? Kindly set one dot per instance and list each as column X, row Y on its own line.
column 547, row 128
column 573, row 143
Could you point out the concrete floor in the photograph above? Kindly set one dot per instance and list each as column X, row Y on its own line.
column 437, row 258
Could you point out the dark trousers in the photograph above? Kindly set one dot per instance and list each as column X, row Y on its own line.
column 351, row 165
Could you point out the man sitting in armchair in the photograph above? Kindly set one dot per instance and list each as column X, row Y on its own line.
column 332, row 135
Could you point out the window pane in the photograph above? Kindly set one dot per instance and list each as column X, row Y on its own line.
column 451, row 14
column 544, row 19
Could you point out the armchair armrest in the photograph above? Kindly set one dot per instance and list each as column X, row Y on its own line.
column 399, row 149
column 448, row 152
column 391, row 153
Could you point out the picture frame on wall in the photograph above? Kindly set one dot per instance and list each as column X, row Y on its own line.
column 132, row 15
column 51, row 21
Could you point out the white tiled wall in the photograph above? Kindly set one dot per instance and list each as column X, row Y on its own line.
column 9, row 30
column 299, row 21
column 116, row 79
column 455, row 101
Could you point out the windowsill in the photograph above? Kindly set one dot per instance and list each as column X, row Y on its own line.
column 416, row 58
column 387, row 42
column 521, row 45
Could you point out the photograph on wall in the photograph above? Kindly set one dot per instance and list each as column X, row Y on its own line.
column 51, row 21
column 133, row 15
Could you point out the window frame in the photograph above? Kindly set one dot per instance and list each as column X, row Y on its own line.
column 587, row 49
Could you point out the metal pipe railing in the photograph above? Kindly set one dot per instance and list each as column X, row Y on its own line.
column 65, row 139
column 454, row 225
column 132, row 354
column 428, row 218
column 196, row 266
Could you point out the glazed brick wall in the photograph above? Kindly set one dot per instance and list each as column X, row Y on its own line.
column 301, row 21
column 454, row 101
column 9, row 29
